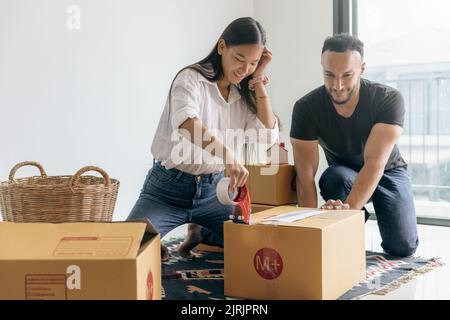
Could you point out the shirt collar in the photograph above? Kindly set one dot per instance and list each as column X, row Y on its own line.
column 234, row 92
column 234, row 95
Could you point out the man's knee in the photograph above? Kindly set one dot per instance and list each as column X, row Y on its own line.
column 336, row 183
column 401, row 247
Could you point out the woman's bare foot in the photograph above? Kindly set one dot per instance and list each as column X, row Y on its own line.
column 192, row 240
column 165, row 256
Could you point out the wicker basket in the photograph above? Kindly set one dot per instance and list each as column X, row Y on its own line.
column 58, row 198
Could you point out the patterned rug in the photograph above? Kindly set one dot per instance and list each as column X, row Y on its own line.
column 202, row 278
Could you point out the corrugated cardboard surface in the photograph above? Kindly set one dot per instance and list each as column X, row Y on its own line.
column 257, row 207
column 321, row 257
column 271, row 189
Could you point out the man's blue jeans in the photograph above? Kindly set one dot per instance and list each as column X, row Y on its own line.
column 392, row 201
column 170, row 198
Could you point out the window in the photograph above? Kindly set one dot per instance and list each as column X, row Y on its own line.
column 407, row 46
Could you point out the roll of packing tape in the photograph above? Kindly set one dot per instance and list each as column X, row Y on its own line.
column 239, row 198
column 224, row 196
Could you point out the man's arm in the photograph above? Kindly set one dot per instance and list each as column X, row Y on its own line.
column 379, row 146
column 306, row 159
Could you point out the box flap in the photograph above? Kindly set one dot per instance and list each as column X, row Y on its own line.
column 321, row 221
column 149, row 227
column 84, row 240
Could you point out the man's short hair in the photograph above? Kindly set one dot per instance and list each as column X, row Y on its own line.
column 343, row 42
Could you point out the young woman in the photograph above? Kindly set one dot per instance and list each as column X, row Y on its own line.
column 224, row 91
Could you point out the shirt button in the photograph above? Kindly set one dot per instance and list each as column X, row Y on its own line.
column 199, row 178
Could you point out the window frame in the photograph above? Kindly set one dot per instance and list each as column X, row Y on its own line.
column 345, row 20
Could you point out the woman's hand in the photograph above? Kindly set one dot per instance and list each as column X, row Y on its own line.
column 238, row 175
column 257, row 79
column 266, row 57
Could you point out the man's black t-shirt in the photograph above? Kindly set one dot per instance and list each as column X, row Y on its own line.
column 343, row 139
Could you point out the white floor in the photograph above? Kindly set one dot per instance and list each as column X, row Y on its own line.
column 434, row 242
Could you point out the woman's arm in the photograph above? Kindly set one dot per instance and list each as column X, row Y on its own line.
column 200, row 135
column 264, row 109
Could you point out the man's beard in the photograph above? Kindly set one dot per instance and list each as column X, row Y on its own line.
column 342, row 102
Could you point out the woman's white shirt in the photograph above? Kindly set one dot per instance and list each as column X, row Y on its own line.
column 194, row 96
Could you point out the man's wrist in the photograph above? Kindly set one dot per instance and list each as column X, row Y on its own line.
column 352, row 205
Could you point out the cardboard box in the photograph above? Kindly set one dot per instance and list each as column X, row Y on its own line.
column 208, row 248
column 277, row 154
column 320, row 257
column 257, row 207
column 271, row 189
column 118, row 260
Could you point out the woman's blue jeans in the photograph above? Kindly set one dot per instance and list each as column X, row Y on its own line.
column 170, row 198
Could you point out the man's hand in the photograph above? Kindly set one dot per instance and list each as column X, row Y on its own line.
column 335, row 205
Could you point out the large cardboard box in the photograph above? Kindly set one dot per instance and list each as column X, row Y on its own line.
column 320, row 257
column 118, row 260
column 271, row 185
column 257, row 207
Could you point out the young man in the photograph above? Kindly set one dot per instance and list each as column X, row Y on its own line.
column 357, row 123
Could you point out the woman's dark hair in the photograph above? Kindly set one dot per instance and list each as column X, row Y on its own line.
column 239, row 32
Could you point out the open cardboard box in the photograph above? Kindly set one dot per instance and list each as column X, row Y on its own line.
column 117, row 260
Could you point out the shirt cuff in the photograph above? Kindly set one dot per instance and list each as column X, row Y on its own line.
column 181, row 116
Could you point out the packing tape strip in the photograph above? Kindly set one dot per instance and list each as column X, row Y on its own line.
column 239, row 197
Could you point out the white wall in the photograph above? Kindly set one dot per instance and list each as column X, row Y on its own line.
column 296, row 32
column 70, row 98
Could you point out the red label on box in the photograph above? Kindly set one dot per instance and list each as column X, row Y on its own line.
column 45, row 287
column 268, row 263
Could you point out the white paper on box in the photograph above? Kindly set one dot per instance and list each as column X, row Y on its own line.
column 293, row 216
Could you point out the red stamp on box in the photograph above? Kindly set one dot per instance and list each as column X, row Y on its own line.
column 268, row 263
